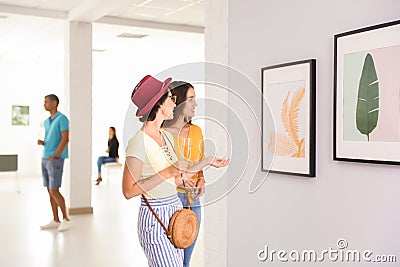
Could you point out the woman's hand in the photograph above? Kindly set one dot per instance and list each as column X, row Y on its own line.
column 201, row 187
column 186, row 184
column 182, row 178
column 219, row 162
column 210, row 160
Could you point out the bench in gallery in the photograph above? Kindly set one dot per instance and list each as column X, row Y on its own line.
column 111, row 166
column 9, row 163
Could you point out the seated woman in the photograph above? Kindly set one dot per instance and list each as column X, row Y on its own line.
column 112, row 151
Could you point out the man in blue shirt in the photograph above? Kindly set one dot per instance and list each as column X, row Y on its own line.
column 55, row 151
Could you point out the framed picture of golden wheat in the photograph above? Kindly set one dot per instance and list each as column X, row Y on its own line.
column 367, row 95
column 289, row 91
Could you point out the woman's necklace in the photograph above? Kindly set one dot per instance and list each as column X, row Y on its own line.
column 165, row 148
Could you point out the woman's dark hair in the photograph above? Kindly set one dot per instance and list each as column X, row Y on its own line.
column 180, row 89
column 151, row 116
column 114, row 132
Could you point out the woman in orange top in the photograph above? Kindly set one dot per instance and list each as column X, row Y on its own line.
column 181, row 127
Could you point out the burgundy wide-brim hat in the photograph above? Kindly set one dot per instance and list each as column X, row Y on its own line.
column 147, row 92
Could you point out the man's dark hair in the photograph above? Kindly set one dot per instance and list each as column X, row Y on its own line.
column 53, row 97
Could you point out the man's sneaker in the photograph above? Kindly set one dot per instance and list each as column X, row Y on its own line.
column 50, row 225
column 63, row 226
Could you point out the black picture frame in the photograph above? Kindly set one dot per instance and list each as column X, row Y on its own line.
column 296, row 154
column 366, row 109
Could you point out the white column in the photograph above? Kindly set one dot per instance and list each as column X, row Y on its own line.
column 78, row 82
column 216, row 50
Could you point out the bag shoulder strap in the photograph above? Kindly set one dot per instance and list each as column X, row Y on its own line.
column 155, row 215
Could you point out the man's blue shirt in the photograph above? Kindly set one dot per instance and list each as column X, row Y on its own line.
column 53, row 128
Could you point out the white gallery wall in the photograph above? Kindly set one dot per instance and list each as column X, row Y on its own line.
column 25, row 83
column 354, row 201
column 118, row 69
column 32, row 66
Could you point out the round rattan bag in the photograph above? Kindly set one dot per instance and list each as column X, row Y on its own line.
column 183, row 227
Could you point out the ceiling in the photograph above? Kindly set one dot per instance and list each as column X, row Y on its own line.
column 173, row 13
column 32, row 28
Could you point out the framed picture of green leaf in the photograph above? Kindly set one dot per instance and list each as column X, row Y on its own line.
column 20, row 115
column 367, row 95
column 289, row 92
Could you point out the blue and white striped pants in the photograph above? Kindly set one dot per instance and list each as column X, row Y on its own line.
column 152, row 237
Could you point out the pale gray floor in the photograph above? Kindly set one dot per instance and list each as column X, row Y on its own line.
column 106, row 238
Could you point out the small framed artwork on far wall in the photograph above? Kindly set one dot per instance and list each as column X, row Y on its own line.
column 20, row 115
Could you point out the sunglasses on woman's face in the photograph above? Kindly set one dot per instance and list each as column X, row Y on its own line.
column 173, row 98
